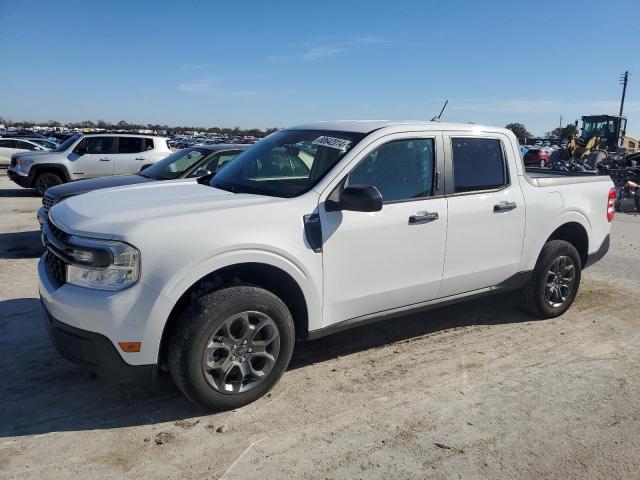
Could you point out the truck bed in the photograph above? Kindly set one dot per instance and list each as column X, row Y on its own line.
column 542, row 177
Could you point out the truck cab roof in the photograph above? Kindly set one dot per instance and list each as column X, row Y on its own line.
column 368, row 126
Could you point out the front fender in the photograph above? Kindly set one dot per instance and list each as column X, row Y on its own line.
column 189, row 275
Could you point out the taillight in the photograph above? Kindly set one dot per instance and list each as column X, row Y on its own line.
column 610, row 205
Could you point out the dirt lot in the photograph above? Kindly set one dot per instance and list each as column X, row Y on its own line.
column 472, row 391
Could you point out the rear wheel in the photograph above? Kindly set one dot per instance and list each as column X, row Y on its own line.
column 231, row 347
column 46, row 180
column 555, row 280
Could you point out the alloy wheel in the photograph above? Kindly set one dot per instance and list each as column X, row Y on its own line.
column 559, row 281
column 241, row 352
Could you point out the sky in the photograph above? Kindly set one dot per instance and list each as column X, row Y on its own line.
column 278, row 63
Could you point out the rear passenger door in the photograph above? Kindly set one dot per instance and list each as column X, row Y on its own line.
column 486, row 208
column 7, row 148
column 130, row 155
column 92, row 157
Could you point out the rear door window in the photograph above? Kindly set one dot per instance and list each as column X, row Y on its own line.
column 478, row 164
column 147, row 144
column 129, row 144
column 7, row 144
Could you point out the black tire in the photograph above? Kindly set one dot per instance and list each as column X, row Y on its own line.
column 46, row 180
column 197, row 328
column 536, row 293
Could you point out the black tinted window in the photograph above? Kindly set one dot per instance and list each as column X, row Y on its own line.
column 478, row 164
column 148, row 144
column 7, row 144
column 97, row 145
column 129, row 145
column 400, row 170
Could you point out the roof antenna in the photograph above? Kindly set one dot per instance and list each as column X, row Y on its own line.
column 437, row 119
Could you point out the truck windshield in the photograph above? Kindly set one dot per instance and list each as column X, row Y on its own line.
column 286, row 164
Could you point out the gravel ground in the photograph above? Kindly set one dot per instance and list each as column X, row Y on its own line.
column 479, row 390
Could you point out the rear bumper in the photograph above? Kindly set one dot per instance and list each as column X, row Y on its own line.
column 95, row 352
column 598, row 254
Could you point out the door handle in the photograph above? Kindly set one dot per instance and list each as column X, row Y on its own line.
column 105, row 159
column 504, row 207
column 139, row 158
column 423, row 217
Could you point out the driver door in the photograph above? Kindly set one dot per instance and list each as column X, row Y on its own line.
column 93, row 157
column 379, row 261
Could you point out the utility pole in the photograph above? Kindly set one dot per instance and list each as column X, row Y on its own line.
column 623, row 81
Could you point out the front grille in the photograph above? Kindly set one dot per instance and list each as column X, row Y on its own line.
column 47, row 202
column 57, row 267
column 56, row 232
column 13, row 162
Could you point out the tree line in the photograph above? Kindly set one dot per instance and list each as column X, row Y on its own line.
column 563, row 133
column 124, row 125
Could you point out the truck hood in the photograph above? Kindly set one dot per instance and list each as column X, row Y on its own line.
column 113, row 212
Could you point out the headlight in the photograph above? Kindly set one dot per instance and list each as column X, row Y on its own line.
column 101, row 264
column 23, row 164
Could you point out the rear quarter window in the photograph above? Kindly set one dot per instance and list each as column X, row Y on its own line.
column 148, row 144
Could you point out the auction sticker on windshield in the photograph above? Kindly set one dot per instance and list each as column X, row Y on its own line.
column 332, row 142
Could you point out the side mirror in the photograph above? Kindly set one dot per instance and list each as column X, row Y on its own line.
column 202, row 172
column 357, row 198
column 81, row 151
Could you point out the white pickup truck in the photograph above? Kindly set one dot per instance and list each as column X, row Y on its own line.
column 313, row 230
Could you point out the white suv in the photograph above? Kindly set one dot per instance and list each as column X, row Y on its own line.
column 87, row 156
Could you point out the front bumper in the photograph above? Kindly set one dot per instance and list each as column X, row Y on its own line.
column 135, row 314
column 20, row 178
column 95, row 352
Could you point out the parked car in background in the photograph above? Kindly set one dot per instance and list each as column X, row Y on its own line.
column 536, row 157
column 190, row 162
column 22, row 134
column 87, row 156
column 11, row 146
column 214, row 280
column 44, row 142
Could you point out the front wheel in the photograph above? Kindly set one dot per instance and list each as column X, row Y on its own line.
column 555, row 280
column 231, row 346
column 46, row 180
